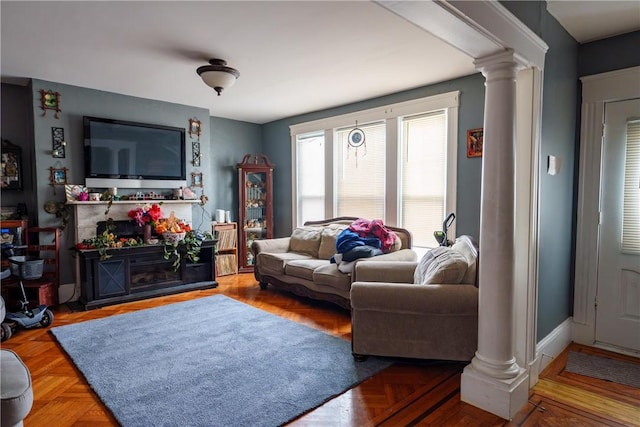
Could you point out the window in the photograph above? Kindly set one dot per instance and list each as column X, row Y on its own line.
column 310, row 173
column 424, row 156
column 631, row 210
column 404, row 173
column 361, row 173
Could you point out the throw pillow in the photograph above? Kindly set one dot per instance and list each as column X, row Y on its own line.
column 442, row 265
column 328, row 240
column 306, row 240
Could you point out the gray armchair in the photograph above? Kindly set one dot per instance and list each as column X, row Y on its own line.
column 393, row 316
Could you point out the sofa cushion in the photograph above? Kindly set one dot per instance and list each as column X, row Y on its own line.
column 468, row 247
column 329, row 275
column 328, row 240
column 304, row 268
column 306, row 240
column 276, row 262
column 442, row 265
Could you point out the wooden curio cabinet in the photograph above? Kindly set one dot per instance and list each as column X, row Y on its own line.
column 255, row 219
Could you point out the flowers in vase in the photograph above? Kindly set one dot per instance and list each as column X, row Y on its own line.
column 146, row 214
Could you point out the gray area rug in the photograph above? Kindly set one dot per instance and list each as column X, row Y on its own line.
column 617, row 371
column 209, row 362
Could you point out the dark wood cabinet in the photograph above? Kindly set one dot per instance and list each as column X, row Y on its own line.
column 141, row 272
column 255, row 182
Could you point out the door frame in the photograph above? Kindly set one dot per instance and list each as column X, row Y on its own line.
column 597, row 91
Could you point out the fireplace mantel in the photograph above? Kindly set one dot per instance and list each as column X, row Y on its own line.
column 87, row 214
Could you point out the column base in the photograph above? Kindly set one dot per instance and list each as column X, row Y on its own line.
column 502, row 397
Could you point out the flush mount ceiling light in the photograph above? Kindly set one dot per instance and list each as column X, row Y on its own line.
column 218, row 75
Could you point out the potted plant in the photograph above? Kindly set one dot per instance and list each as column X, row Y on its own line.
column 107, row 240
column 179, row 238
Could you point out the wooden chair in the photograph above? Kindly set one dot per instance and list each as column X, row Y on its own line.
column 43, row 243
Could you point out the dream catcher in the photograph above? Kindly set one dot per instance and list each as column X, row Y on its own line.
column 355, row 140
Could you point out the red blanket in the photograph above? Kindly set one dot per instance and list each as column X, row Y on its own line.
column 375, row 228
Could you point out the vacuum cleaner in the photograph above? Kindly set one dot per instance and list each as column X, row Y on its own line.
column 441, row 235
column 27, row 268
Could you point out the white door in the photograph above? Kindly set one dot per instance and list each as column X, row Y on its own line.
column 618, row 291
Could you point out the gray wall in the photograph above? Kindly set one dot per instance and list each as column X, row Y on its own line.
column 556, row 231
column 223, row 143
column 277, row 146
column 614, row 53
column 230, row 141
column 18, row 129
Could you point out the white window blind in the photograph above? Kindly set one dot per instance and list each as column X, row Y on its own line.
column 631, row 209
column 360, row 183
column 424, row 166
column 310, row 177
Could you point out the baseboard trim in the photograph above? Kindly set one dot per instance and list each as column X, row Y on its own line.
column 67, row 292
column 549, row 348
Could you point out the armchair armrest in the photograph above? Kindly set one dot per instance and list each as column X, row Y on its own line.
column 372, row 270
column 414, row 299
column 278, row 245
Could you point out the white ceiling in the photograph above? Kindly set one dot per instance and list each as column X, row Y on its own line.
column 589, row 20
column 294, row 57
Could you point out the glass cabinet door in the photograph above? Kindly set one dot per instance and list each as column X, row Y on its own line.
column 256, row 206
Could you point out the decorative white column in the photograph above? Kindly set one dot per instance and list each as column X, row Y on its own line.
column 494, row 381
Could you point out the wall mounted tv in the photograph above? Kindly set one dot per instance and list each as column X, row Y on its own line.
column 133, row 155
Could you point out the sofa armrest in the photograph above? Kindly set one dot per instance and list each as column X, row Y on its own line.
column 384, row 271
column 414, row 299
column 278, row 245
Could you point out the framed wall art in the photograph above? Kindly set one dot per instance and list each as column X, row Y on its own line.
column 196, row 153
column 57, row 143
column 196, row 179
column 50, row 100
column 58, row 176
column 474, row 142
column 195, row 128
column 11, row 162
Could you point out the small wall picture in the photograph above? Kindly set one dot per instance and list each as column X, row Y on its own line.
column 50, row 100
column 196, row 179
column 195, row 128
column 474, row 142
column 58, row 176
column 58, row 143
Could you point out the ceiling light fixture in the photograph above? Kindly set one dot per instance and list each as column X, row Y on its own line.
column 218, row 75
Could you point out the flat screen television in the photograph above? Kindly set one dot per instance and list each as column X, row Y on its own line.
column 125, row 154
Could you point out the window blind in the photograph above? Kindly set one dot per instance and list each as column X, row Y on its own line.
column 360, row 183
column 423, row 185
column 310, row 177
column 631, row 203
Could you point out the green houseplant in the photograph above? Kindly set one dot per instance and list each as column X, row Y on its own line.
column 189, row 247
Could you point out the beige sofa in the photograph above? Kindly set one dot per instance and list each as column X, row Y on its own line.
column 391, row 315
column 301, row 263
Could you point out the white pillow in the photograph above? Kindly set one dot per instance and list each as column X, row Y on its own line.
column 442, row 265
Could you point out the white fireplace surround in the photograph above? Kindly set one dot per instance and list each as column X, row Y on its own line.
column 88, row 214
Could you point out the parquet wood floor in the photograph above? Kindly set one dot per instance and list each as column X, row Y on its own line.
column 409, row 393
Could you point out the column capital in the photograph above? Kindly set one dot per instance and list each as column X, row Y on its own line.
column 507, row 60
